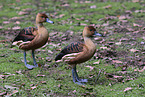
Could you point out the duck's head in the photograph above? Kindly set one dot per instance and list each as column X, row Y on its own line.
column 90, row 31
column 42, row 17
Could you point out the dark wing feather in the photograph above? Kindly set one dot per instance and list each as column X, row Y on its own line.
column 25, row 34
column 72, row 48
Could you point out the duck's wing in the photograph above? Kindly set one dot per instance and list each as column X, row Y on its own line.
column 72, row 48
column 26, row 34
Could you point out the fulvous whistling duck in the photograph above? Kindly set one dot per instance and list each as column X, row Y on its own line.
column 31, row 38
column 79, row 52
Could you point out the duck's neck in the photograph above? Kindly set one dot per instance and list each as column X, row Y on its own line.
column 89, row 43
column 39, row 25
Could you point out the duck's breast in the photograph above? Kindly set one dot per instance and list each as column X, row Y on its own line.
column 39, row 40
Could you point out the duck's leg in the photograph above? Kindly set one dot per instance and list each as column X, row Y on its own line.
column 25, row 61
column 34, row 61
column 77, row 77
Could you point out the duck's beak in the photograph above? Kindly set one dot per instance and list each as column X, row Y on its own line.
column 49, row 21
column 97, row 34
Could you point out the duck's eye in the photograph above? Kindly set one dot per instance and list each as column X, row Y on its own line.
column 42, row 16
column 91, row 30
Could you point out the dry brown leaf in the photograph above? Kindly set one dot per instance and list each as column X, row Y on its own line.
column 17, row 22
column 115, row 76
column 116, row 61
column 98, row 38
column 40, row 75
column 32, row 88
column 137, row 25
column 127, row 89
column 93, row 6
column 107, row 7
column 23, row 13
column 6, row 22
column 43, row 82
column 1, row 27
column 91, row 67
column 97, row 62
column 16, row 28
column 122, row 17
column 134, row 50
column 2, row 76
column 118, row 43
column 3, row 93
column 65, row 5
column 61, row 15
column 140, row 70
column 135, row 0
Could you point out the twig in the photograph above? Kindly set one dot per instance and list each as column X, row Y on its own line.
column 98, row 75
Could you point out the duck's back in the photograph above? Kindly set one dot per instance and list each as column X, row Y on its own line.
column 72, row 48
column 26, row 34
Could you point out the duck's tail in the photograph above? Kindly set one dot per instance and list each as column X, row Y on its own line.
column 59, row 56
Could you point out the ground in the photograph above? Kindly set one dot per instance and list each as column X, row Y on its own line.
column 116, row 69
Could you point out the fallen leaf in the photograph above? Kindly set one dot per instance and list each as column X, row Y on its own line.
column 127, row 89
column 135, row 0
column 118, row 43
column 19, row 72
column 104, row 48
column 32, row 88
column 1, row 27
column 3, row 93
column 49, row 51
column 93, row 6
column 61, row 15
column 23, row 13
column 40, row 75
column 115, row 76
column 108, row 7
column 122, row 17
column 43, row 82
column 98, row 38
column 10, row 87
column 137, row 25
column 6, row 22
column 17, row 22
column 116, row 61
column 97, row 62
column 1, row 76
column 16, row 28
column 74, row 91
column 91, row 67
column 140, row 70
column 134, row 50
column 65, row 5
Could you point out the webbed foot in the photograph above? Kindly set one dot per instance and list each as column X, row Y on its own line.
column 82, row 80
column 30, row 66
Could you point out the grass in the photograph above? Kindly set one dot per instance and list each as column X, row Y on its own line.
column 55, row 79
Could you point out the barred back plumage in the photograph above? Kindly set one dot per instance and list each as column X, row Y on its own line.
column 72, row 48
column 26, row 34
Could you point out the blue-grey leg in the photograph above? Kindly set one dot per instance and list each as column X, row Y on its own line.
column 34, row 61
column 25, row 61
column 77, row 77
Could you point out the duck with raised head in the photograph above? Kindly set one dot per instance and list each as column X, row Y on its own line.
column 79, row 52
column 31, row 38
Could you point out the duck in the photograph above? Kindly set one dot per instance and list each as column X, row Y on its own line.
column 31, row 38
column 79, row 52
